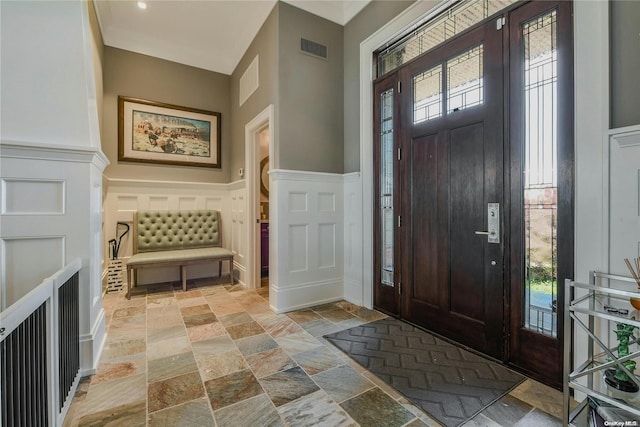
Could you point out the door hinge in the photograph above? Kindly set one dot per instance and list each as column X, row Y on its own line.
column 399, row 221
column 399, row 87
column 399, row 153
column 500, row 22
column 399, row 288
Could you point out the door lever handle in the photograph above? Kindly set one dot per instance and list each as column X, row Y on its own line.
column 485, row 233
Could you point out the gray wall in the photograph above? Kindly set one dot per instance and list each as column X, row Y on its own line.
column 368, row 21
column 625, row 63
column 265, row 44
column 311, row 114
column 130, row 74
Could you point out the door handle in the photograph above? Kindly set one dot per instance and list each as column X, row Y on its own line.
column 493, row 223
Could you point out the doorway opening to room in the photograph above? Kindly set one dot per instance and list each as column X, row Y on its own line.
column 259, row 149
column 473, row 179
column 263, row 194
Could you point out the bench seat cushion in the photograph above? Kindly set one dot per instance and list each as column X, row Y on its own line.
column 178, row 256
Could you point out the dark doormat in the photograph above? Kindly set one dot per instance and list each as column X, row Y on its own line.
column 450, row 383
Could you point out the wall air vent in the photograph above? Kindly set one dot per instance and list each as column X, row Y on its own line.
column 314, row 49
column 250, row 80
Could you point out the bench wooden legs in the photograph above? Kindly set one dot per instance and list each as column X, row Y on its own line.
column 131, row 276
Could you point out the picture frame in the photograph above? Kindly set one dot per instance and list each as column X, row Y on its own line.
column 156, row 132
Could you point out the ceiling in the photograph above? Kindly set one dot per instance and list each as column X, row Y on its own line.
column 208, row 34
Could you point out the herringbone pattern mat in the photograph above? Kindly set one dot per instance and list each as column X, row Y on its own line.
column 451, row 384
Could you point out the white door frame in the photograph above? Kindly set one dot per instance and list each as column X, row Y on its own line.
column 252, row 176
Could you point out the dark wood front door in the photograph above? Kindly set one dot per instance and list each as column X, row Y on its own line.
column 481, row 128
column 451, row 170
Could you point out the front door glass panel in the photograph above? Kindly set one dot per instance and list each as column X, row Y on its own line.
column 465, row 87
column 540, row 161
column 386, row 187
column 427, row 95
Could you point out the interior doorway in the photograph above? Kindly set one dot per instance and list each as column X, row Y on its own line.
column 263, row 142
column 259, row 160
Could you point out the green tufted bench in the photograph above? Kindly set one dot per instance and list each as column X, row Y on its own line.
column 176, row 238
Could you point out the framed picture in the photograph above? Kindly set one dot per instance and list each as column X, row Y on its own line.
column 154, row 132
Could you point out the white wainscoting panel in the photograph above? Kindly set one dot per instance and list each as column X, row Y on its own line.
column 124, row 197
column 624, row 197
column 44, row 197
column 353, row 279
column 298, row 248
column 38, row 237
column 239, row 232
column 21, row 271
column 307, row 226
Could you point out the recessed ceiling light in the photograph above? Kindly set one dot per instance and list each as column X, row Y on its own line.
column 142, row 5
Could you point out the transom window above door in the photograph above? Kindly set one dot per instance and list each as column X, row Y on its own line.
column 459, row 17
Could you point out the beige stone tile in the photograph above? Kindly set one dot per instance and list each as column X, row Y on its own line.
column 193, row 413
column 163, row 311
column 114, row 393
column 189, row 302
column 282, row 326
column 108, row 371
column 244, row 330
column 174, row 391
column 540, row 396
column 269, row 362
column 203, row 332
column 222, row 364
column 226, row 308
column 158, row 349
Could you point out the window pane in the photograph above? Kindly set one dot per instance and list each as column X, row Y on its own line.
column 386, row 186
column 540, row 174
column 456, row 19
column 464, row 80
column 427, row 95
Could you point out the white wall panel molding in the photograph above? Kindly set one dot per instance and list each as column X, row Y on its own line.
column 353, row 246
column 239, row 233
column 307, row 229
column 293, row 175
column 172, row 185
column 19, row 273
column 66, row 224
column 624, row 197
column 32, row 196
column 126, row 196
column 63, row 153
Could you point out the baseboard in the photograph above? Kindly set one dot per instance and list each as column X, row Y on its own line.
column 304, row 295
column 92, row 345
column 353, row 292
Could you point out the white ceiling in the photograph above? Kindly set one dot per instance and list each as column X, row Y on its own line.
column 209, row 34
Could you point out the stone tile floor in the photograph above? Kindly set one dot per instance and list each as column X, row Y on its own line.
column 217, row 355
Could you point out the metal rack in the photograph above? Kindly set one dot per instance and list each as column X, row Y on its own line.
column 587, row 377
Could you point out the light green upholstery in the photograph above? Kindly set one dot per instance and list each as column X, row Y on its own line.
column 176, row 238
column 163, row 230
